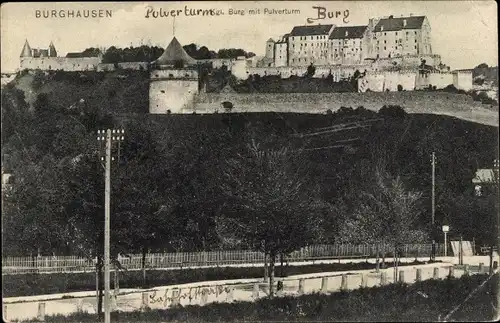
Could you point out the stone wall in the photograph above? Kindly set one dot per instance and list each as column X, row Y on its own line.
column 413, row 101
column 60, row 63
column 176, row 95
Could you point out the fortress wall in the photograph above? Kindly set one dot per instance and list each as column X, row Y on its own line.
column 138, row 66
column 105, row 67
column 462, row 80
column 60, row 63
column 173, row 73
column 421, row 102
column 174, row 95
column 337, row 71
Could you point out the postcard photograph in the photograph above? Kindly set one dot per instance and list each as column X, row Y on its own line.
column 250, row 161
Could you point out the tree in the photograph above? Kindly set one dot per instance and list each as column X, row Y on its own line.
column 268, row 208
column 482, row 65
column 311, row 70
column 386, row 214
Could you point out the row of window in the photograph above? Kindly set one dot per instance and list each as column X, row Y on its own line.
column 385, row 34
column 305, row 37
column 397, row 41
column 385, row 48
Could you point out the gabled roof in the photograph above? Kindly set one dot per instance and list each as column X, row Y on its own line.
column 270, row 40
column 395, row 24
column 52, row 50
column 484, row 176
column 26, row 52
column 174, row 53
column 227, row 89
column 311, row 30
column 348, row 32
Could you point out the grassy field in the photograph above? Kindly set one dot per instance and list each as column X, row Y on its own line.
column 426, row 301
column 39, row 284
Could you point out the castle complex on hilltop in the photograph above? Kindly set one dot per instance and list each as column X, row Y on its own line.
column 386, row 37
column 389, row 54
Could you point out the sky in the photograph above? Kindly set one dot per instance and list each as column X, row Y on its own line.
column 464, row 33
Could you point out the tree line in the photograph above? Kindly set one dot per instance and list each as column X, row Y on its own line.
column 146, row 53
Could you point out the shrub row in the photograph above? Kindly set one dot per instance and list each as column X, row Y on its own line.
column 39, row 284
column 424, row 301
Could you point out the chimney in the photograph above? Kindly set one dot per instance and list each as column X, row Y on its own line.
column 404, row 22
column 381, row 28
column 346, row 33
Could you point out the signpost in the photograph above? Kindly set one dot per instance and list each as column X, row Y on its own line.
column 446, row 228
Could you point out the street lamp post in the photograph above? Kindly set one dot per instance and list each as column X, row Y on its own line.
column 446, row 228
column 109, row 137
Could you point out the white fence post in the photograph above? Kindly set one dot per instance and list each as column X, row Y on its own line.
column 401, row 276
column 419, row 274
column 451, row 273
column 324, row 285
column 41, row 312
column 343, row 285
column 301, row 286
column 255, row 293
column 145, row 301
column 435, row 274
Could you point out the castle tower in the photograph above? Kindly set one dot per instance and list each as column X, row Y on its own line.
column 52, row 50
column 26, row 52
column 270, row 48
column 174, row 81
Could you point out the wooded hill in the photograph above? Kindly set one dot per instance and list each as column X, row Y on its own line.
column 185, row 181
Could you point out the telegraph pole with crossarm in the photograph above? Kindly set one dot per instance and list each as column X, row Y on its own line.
column 433, row 161
column 109, row 137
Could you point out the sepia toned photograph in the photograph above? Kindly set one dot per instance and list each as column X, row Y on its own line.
column 250, row 161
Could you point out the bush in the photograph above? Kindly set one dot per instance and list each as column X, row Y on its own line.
column 392, row 111
column 400, row 88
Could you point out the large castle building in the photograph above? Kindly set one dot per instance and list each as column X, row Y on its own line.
column 387, row 37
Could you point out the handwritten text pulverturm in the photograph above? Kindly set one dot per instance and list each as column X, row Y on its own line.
column 152, row 12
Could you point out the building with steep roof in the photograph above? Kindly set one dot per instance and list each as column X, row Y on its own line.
column 402, row 36
column 174, row 81
column 349, row 44
column 308, row 45
column 174, row 54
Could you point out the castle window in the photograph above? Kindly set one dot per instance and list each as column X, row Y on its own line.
column 162, row 91
column 385, row 34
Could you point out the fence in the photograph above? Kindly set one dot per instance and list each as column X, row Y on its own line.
column 250, row 290
column 21, row 265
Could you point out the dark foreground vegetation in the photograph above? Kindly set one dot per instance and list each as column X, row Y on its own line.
column 38, row 284
column 427, row 301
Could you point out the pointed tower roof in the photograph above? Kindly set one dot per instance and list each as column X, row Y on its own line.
column 26, row 52
column 52, row 50
column 174, row 52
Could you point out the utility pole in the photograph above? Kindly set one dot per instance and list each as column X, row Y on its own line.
column 109, row 136
column 433, row 161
